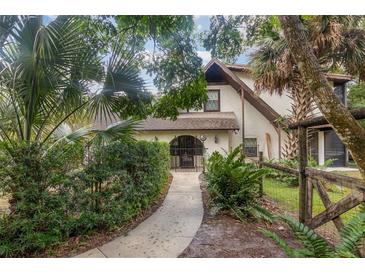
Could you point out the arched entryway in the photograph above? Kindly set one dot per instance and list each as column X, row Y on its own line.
column 186, row 152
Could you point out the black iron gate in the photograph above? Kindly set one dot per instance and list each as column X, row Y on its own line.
column 186, row 152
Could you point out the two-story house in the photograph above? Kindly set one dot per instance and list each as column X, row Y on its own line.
column 235, row 114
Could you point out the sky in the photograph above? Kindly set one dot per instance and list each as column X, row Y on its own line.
column 202, row 24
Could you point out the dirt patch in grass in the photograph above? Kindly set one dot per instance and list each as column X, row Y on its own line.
column 223, row 236
column 80, row 244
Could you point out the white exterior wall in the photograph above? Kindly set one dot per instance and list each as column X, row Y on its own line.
column 231, row 102
column 222, row 137
column 281, row 104
column 256, row 126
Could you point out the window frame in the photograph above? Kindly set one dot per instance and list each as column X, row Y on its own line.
column 256, row 147
column 219, row 101
column 343, row 98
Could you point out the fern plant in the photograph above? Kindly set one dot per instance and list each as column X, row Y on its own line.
column 234, row 185
column 314, row 246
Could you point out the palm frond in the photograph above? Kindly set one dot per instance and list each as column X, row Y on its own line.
column 351, row 236
column 123, row 130
column 289, row 251
column 261, row 213
column 317, row 246
column 272, row 66
column 121, row 87
column 51, row 75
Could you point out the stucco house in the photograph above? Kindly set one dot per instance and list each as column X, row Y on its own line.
column 236, row 114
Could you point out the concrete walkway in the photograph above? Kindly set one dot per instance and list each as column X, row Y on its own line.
column 168, row 231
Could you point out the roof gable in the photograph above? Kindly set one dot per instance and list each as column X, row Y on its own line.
column 216, row 71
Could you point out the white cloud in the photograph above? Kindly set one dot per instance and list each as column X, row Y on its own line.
column 196, row 17
column 205, row 55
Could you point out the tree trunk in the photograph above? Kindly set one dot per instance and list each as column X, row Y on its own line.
column 290, row 149
column 301, row 109
column 347, row 128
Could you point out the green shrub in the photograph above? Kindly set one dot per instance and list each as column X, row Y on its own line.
column 39, row 186
column 52, row 199
column 234, row 184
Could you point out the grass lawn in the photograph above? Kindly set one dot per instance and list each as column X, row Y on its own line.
column 355, row 174
column 288, row 196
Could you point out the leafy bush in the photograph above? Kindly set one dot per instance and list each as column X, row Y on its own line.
column 39, row 187
column 352, row 236
column 52, row 200
column 234, row 184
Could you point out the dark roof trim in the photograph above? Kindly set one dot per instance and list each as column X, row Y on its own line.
column 339, row 78
column 335, row 77
column 267, row 111
column 358, row 114
column 192, row 121
column 188, row 129
column 240, row 68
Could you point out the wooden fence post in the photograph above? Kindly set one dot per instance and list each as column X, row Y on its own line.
column 303, row 162
column 309, row 201
column 261, row 159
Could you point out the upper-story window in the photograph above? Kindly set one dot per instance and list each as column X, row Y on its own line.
column 340, row 91
column 213, row 103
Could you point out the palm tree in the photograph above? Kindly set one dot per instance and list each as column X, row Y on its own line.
column 50, row 75
column 275, row 72
column 338, row 42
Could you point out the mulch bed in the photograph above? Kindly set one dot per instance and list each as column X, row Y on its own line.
column 80, row 244
column 223, row 236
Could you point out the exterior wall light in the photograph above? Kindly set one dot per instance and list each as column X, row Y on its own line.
column 202, row 138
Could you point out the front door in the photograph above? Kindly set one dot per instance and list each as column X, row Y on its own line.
column 186, row 159
column 187, row 151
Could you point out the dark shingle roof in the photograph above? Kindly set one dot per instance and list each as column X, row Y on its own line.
column 336, row 77
column 193, row 120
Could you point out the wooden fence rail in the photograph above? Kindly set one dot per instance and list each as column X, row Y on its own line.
column 314, row 179
column 311, row 178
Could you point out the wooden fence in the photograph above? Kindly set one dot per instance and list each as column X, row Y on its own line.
column 310, row 179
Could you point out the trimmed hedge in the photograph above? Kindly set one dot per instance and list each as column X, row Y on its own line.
column 52, row 201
